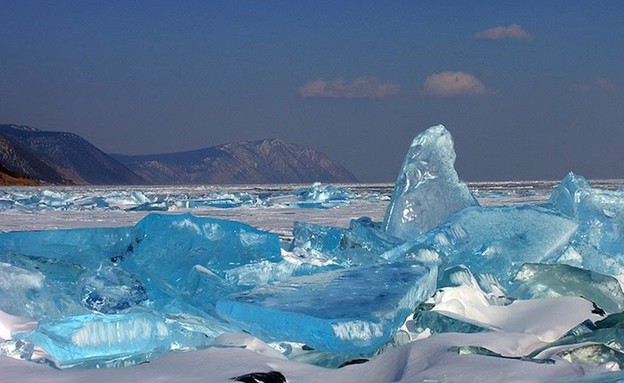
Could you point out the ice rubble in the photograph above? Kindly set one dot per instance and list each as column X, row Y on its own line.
column 112, row 297
column 317, row 196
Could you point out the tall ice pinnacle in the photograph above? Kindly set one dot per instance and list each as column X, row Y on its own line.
column 428, row 188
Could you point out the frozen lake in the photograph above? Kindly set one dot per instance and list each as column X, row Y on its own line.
column 521, row 327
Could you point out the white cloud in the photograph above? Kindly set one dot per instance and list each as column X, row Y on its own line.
column 453, row 84
column 598, row 84
column 361, row 87
column 509, row 32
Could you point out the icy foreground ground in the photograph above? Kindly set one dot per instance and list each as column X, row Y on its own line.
column 492, row 282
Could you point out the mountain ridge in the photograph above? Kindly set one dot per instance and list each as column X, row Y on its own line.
column 270, row 160
column 20, row 162
column 75, row 158
column 67, row 158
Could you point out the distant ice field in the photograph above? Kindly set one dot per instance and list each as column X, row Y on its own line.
column 277, row 218
column 521, row 327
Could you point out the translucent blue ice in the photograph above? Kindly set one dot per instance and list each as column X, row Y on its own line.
column 564, row 197
column 352, row 311
column 495, row 241
column 27, row 293
column 96, row 340
column 320, row 195
column 549, row 281
column 361, row 243
column 174, row 244
column 424, row 318
column 599, row 242
column 110, row 289
column 86, row 247
column 203, row 288
column 600, row 214
column 311, row 236
column 428, row 189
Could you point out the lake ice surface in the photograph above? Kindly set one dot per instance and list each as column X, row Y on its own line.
column 523, row 326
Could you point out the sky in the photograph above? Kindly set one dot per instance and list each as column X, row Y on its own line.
column 529, row 89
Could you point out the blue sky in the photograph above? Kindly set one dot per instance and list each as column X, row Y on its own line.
column 529, row 89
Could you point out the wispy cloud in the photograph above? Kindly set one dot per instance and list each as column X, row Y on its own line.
column 453, row 84
column 361, row 87
column 509, row 32
column 598, row 84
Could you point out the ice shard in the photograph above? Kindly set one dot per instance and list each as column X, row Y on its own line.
column 564, row 198
column 174, row 244
column 27, row 293
column 550, row 281
column 428, row 189
column 360, row 244
column 86, row 247
column 96, row 340
column 110, row 289
column 426, row 319
column 319, row 195
column 594, row 355
column 599, row 242
column 495, row 241
column 352, row 311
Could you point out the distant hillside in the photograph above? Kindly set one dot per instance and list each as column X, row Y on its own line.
column 8, row 178
column 18, row 162
column 71, row 156
column 265, row 161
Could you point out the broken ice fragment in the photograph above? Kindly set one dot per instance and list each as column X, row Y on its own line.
column 496, row 240
column 174, row 244
column 110, row 289
column 85, row 247
column 311, row 236
column 428, row 188
column 599, row 242
column 26, row 293
column 600, row 214
column 203, row 288
column 96, row 340
column 351, row 311
column 594, row 355
column 360, row 244
column 324, row 193
column 437, row 323
column 550, row 281
column 563, row 199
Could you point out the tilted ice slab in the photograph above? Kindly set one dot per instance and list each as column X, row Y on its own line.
column 353, row 311
column 495, row 240
column 599, row 242
column 550, row 281
column 27, row 293
column 360, row 244
column 86, row 247
column 174, row 244
column 428, row 188
column 96, row 340
column 564, row 197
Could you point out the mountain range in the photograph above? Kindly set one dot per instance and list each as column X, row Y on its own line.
column 264, row 161
column 66, row 158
